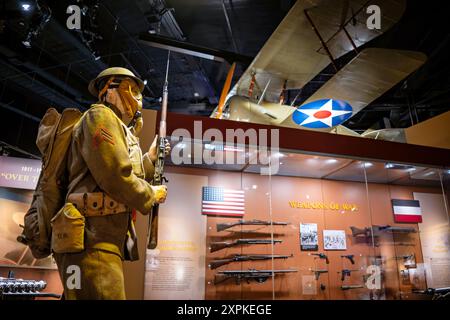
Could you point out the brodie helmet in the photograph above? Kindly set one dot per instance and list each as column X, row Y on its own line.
column 119, row 72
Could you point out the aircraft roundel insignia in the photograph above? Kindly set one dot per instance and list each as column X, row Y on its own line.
column 324, row 113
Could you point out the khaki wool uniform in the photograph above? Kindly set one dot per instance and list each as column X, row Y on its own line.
column 105, row 156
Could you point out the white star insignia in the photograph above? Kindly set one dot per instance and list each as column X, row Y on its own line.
column 328, row 106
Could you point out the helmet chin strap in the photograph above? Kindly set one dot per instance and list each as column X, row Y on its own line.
column 135, row 122
column 113, row 97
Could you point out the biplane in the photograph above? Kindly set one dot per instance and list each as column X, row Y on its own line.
column 312, row 36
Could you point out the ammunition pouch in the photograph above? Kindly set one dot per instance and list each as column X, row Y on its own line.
column 67, row 230
column 95, row 204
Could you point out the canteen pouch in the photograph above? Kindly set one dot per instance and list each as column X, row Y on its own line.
column 68, row 230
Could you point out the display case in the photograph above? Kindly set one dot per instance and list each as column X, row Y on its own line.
column 331, row 218
column 290, row 214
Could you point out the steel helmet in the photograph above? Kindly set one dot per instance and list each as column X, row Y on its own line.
column 116, row 71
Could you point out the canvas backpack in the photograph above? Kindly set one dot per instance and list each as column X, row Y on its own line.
column 53, row 141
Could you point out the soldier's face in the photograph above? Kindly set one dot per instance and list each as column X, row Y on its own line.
column 131, row 95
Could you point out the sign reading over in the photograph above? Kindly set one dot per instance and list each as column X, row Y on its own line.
column 19, row 173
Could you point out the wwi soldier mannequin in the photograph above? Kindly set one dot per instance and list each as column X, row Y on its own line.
column 108, row 178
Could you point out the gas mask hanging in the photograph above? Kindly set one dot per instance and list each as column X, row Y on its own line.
column 130, row 103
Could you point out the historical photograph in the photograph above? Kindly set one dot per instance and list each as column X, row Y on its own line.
column 309, row 239
column 334, row 240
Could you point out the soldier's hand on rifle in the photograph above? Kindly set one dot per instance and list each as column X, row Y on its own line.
column 160, row 193
column 153, row 151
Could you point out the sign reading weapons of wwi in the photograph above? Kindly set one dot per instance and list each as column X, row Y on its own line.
column 218, row 201
column 308, row 237
column 334, row 240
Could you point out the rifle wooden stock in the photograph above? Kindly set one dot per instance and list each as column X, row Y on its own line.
column 220, row 262
column 216, row 246
column 153, row 232
column 356, row 231
column 218, row 278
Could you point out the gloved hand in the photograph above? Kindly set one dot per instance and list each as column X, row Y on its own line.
column 160, row 193
column 153, row 151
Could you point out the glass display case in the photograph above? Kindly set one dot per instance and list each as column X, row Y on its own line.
column 318, row 226
column 315, row 217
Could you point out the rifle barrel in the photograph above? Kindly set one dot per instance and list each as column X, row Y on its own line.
column 352, row 287
column 152, row 241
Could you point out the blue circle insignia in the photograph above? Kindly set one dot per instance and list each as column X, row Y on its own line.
column 323, row 113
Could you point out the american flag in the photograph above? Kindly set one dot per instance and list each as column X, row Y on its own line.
column 217, row 201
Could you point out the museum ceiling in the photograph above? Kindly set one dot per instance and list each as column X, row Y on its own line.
column 54, row 67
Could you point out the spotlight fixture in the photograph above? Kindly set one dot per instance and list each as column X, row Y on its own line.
column 26, row 7
column 399, row 166
column 43, row 14
column 367, row 164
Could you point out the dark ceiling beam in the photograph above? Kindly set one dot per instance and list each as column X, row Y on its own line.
column 19, row 150
column 68, row 37
column 33, row 83
column 192, row 49
column 130, row 65
column 230, row 30
column 133, row 41
column 65, row 88
column 22, row 113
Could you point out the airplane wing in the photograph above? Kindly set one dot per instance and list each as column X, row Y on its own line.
column 370, row 74
column 313, row 34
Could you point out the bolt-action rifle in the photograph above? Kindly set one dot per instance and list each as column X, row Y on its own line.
column 158, row 177
column 217, row 263
column 367, row 231
column 224, row 226
column 216, row 246
column 259, row 276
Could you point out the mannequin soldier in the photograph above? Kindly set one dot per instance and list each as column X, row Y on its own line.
column 108, row 178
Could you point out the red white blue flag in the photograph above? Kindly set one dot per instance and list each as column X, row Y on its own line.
column 217, row 201
column 407, row 211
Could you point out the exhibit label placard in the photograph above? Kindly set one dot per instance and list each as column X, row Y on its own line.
column 19, row 173
column 175, row 270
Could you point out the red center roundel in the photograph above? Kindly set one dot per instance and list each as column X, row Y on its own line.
column 322, row 114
